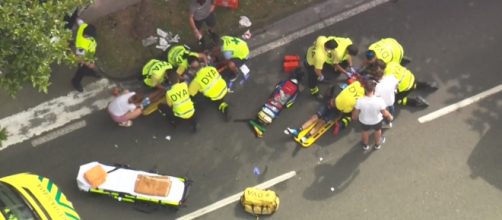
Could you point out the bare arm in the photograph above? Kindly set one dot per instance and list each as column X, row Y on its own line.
column 194, row 28
column 386, row 114
column 355, row 114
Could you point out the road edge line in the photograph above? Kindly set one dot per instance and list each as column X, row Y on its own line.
column 455, row 106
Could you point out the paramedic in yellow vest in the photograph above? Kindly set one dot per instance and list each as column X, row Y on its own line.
column 210, row 83
column 235, row 52
column 179, row 104
column 179, row 56
column 317, row 55
column 406, row 84
column 339, row 106
column 85, row 44
column 341, row 57
column 155, row 73
column 388, row 50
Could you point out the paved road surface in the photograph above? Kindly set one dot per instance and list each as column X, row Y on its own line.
column 445, row 169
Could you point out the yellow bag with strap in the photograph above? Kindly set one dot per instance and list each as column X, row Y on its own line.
column 260, row 202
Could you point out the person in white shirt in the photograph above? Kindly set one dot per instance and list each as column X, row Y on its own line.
column 125, row 107
column 385, row 88
column 370, row 111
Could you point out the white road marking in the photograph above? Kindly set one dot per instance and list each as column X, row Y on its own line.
column 236, row 197
column 58, row 133
column 316, row 27
column 58, row 112
column 453, row 107
column 55, row 113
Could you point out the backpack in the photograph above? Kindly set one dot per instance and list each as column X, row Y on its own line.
column 259, row 202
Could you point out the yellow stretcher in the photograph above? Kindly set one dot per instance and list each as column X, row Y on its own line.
column 313, row 138
column 153, row 107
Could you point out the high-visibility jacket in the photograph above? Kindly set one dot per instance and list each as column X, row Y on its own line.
column 317, row 54
column 238, row 47
column 179, row 98
column 340, row 53
column 87, row 44
column 211, row 84
column 388, row 50
column 154, row 72
column 176, row 58
column 404, row 76
column 346, row 100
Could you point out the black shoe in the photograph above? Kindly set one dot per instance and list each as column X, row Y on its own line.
column 421, row 102
column 194, row 127
column 433, row 85
column 405, row 61
column 78, row 87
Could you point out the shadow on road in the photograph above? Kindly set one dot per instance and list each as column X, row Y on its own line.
column 339, row 175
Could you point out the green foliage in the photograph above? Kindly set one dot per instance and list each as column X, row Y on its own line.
column 32, row 38
column 3, row 135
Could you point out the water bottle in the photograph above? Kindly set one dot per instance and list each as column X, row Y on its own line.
column 256, row 171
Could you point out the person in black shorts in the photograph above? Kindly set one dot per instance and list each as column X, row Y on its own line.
column 202, row 12
column 370, row 110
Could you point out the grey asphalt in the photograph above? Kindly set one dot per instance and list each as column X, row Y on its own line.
column 445, row 169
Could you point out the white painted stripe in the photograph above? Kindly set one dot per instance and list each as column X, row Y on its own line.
column 58, row 133
column 453, row 107
column 316, row 27
column 55, row 113
column 236, row 197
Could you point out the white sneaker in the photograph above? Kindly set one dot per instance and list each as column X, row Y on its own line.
column 366, row 147
column 126, row 124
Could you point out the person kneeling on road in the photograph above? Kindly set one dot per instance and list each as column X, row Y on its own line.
column 180, row 56
column 388, row 50
column 370, row 111
column 154, row 73
column 407, row 83
column 179, row 104
column 235, row 52
column 125, row 107
column 316, row 57
column 341, row 56
column 209, row 82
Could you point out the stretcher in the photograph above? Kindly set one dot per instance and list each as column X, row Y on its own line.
column 313, row 138
column 120, row 185
column 283, row 96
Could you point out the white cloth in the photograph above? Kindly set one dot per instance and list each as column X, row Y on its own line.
column 121, row 106
column 370, row 108
column 386, row 89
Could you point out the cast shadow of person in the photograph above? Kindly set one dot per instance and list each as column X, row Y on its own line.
column 337, row 176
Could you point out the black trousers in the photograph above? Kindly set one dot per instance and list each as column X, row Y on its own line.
column 83, row 70
column 168, row 113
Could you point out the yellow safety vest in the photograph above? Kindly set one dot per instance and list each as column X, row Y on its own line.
column 317, row 54
column 346, row 100
column 388, row 50
column 175, row 56
column 88, row 44
column 238, row 47
column 404, row 76
column 211, row 84
column 154, row 72
column 180, row 98
column 341, row 53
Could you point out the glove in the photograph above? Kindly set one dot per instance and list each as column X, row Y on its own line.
column 320, row 78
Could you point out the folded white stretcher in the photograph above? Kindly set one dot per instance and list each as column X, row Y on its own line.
column 120, row 182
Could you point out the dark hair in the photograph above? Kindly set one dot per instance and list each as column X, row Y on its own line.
column 370, row 54
column 137, row 98
column 381, row 64
column 331, row 44
column 369, row 85
column 190, row 58
column 90, row 30
column 173, row 77
column 352, row 50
